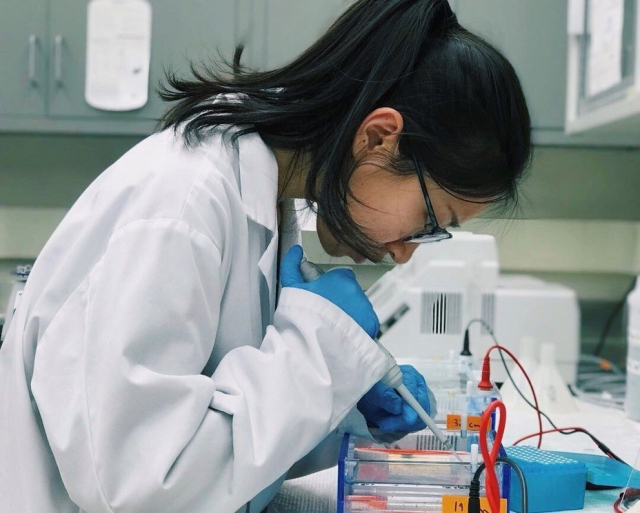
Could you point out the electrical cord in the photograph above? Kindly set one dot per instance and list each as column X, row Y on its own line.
column 626, row 500
column 570, row 431
column 474, row 488
column 602, row 363
column 564, row 431
column 490, row 457
column 612, row 316
column 485, row 368
column 616, row 505
column 600, row 382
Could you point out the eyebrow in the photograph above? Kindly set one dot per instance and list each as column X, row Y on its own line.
column 454, row 219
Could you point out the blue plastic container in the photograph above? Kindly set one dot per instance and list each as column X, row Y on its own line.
column 554, row 483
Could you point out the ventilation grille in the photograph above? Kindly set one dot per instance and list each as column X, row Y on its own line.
column 488, row 313
column 426, row 441
column 441, row 313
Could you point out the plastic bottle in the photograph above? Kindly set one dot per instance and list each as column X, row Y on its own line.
column 632, row 400
column 477, row 402
column 553, row 394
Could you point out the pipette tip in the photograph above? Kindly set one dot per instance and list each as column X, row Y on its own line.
column 450, row 448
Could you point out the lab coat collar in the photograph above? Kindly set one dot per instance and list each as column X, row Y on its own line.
column 258, row 180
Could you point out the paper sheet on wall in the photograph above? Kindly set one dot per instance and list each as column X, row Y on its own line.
column 118, row 54
column 575, row 17
column 604, row 60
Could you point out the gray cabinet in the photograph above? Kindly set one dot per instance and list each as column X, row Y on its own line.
column 532, row 35
column 291, row 26
column 43, row 61
column 274, row 32
column 180, row 31
column 43, row 52
column 22, row 58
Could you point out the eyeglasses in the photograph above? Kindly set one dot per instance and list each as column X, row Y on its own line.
column 431, row 232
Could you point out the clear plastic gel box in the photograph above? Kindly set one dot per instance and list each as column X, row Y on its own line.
column 411, row 474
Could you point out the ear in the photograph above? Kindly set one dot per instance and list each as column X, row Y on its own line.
column 379, row 130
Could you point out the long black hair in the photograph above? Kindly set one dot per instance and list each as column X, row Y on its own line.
column 465, row 117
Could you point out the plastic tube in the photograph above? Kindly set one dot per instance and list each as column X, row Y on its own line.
column 393, row 377
column 424, row 416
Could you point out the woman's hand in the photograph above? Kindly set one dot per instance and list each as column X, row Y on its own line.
column 338, row 286
column 383, row 408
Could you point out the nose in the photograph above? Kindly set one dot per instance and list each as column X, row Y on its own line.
column 400, row 251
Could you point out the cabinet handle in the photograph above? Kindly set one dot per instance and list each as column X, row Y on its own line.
column 58, row 42
column 33, row 49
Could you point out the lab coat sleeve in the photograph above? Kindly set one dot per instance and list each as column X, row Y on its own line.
column 135, row 427
column 325, row 454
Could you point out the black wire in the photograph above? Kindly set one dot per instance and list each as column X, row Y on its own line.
column 473, row 506
column 600, row 444
column 514, row 466
column 612, row 316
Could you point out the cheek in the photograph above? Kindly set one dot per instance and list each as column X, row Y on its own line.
column 376, row 224
column 328, row 242
column 385, row 206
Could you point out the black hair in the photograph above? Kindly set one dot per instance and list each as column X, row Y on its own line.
column 465, row 117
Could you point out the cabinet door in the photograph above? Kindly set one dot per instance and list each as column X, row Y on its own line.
column 293, row 25
column 532, row 34
column 22, row 57
column 180, row 31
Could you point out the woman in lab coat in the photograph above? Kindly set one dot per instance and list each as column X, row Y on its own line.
column 153, row 365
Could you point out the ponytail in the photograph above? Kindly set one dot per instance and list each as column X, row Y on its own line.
column 458, row 97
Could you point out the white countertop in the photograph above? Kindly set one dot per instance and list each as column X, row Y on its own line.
column 317, row 493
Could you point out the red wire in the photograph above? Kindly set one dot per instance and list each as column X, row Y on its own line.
column 617, row 504
column 631, row 494
column 535, row 397
column 546, row 432
column 491, row 480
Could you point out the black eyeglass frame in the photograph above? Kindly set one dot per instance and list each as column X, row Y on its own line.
column 435, row 233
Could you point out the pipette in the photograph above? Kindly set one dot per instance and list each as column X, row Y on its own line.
column 393, row 377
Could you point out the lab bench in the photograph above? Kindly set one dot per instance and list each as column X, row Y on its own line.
column 317, row 493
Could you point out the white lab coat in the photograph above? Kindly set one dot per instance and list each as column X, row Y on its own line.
column 148, row 369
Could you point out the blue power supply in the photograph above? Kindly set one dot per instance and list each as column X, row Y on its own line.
column 554, row 483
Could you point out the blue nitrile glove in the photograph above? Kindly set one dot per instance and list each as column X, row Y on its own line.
column 338, row 286
column 383, row 408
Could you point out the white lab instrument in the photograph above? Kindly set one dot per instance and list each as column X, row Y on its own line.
column 632, row 399
column 393, row 377
column 425, row 305
column 548, row 312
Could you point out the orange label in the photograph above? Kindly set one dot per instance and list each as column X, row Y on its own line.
column 473, row 423
column 460, row 504
column 454, row 422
